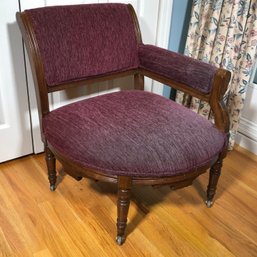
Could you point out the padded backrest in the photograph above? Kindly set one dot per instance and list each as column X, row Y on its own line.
column 79, row 41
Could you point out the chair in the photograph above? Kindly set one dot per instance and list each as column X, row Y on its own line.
column 131, row 136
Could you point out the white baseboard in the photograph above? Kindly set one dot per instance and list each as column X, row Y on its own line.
column 247, row 132
column 246, row 143
column 247, row 135
column 248, row 128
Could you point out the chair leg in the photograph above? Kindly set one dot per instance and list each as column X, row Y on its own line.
column 124, row 193
column 213, row 181
column 139, row 82
column 51, row 167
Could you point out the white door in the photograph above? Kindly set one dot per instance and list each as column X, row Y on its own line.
column 15, row 130
column 154, row 18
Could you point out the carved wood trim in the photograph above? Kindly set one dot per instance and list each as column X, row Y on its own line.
column 92, row 80
column 76, row 170
column 220, row 112
column 179, row 86
column 139, row 81
column 123, row 202
column 37, row 68
column 136, row 23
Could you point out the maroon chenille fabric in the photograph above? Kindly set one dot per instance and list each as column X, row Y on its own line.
column 180, row 68
column 133, row 133
column 84, row 40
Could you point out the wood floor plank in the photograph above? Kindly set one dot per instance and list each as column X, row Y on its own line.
column 43, row 253
column 79, row 218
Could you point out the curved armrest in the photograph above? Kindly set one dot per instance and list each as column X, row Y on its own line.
column 189, row 75
column 177, row 67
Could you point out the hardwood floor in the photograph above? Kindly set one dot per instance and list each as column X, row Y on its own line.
column 79, row 218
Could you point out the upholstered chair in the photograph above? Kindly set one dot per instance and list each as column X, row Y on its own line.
column 131, row 136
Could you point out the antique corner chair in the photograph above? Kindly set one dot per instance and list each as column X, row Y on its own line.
column 131, row 136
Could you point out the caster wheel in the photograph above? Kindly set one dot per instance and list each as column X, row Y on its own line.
column 52, row 187
column 120, row 240
column 208, row 203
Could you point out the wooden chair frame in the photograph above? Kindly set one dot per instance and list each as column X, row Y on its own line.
column 214, row 98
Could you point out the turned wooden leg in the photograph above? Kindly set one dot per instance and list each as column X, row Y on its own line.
column 213, row 181
column 50, row 161
column 124, row 193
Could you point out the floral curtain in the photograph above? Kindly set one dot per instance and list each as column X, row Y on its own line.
column 224, row 33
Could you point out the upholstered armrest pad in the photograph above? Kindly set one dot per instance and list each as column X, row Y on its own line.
column 177, row 67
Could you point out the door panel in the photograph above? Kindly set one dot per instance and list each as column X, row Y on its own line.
column 15, row 129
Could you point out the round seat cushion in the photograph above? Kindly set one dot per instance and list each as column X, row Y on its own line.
column 134, row 133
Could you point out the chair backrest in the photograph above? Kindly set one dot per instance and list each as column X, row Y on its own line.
column 80, row 41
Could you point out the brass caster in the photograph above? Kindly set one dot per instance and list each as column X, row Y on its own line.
column 120, row 240
column 52, row 187
column 208, row 203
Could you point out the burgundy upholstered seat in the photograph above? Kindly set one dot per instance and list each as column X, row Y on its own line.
column 133, row 133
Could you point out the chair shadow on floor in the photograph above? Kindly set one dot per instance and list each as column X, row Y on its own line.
column 146, row 198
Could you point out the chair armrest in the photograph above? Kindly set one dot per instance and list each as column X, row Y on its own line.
column 189, row 75
column 177, row 69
